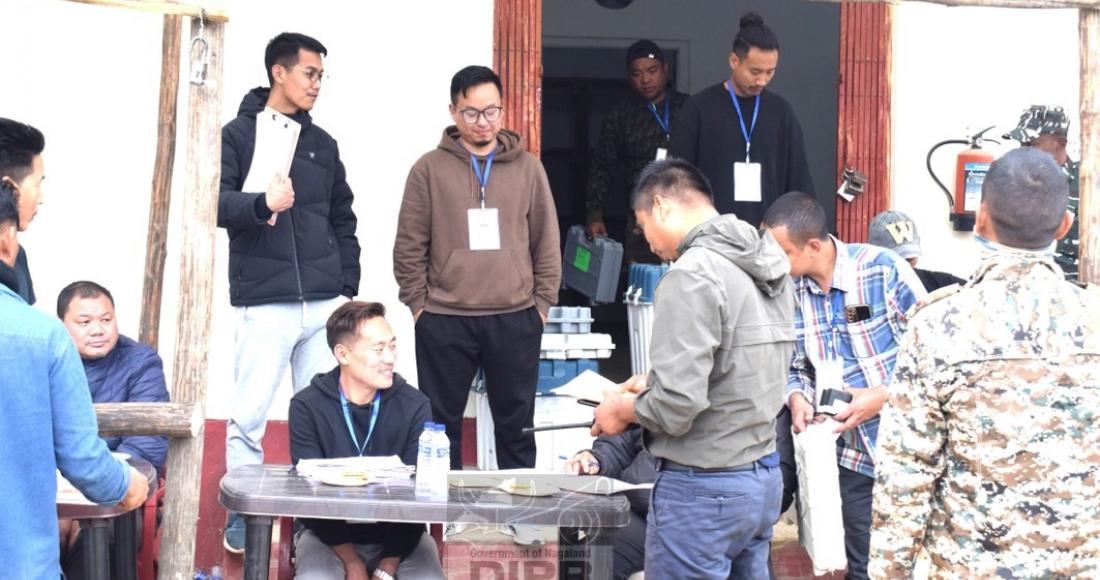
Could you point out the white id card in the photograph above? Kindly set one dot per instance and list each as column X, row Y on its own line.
column 661, row 154
column 746, row 181
column 484, row 229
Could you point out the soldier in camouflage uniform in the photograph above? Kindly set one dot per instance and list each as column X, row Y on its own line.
column 634, row 133
column 989, row 450
column 1047, row 128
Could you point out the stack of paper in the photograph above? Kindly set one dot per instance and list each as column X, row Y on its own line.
column 379, row 468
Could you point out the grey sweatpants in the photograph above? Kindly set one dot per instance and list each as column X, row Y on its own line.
column 271, row 337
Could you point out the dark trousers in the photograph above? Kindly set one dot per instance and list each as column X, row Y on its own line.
column 855, row 498
column 629, row 547
column 449, row 350
column 784, row 444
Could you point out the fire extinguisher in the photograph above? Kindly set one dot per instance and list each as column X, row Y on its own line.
column 971, row 166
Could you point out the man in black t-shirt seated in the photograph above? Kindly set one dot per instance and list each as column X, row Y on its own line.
column 361, row 407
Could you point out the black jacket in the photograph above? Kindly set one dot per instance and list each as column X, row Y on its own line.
column 23, row 277
column 623, row 457
column 311, row 253
column 934, row 280
column 318, row 430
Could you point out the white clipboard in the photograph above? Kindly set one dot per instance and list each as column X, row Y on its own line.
column 276, row 140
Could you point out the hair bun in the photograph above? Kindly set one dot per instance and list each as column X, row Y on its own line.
column 751, row 19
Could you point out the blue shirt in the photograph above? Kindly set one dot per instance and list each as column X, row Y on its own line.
column 863, row 275
column 47, row 423
column 131, row 373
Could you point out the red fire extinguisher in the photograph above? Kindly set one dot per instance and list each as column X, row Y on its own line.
column 971, row 166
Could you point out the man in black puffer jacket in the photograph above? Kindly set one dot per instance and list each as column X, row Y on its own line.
column 293, row 253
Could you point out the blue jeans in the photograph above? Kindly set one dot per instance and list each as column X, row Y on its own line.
column 712, row 525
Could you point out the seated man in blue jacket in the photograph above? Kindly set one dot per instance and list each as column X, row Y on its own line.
column 119, row 369
column 361, row 407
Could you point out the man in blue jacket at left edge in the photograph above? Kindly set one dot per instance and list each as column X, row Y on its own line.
column 48, row 424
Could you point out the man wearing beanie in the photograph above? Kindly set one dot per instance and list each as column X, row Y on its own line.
column 635, row 132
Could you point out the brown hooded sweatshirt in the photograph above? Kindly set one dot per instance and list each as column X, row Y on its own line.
column 432, row 261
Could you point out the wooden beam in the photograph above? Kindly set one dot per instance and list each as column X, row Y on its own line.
column 167, row 419
column 196, row 294
column 1089, row 208
column 990, row 3
column 192, row 10
column 517, row 58
column 156, row 241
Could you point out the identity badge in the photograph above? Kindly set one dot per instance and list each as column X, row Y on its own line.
column 662, row 152
column 484, row 228
column 746, row 182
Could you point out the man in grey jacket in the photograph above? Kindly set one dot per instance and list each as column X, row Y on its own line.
column 723, row 329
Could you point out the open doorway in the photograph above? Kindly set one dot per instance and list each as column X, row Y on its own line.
column 584, row 45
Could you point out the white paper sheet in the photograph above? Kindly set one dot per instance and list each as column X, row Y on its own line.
column 276, row 141
column 587, row 385
column 590, row 484
column 820, row 522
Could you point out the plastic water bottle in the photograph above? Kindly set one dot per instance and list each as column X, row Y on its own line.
column 442, row 461
column 425, row 460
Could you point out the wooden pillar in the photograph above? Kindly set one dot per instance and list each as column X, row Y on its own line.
column 156, row 247
column 863, row 120
column 517, row 58
column 195, row 300
column 1089, row 210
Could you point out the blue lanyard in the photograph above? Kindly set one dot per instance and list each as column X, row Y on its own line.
column 663, row 122
column 483, row 179
column 747, row 133
column 373, row 419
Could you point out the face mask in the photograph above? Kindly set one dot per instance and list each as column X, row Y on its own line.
column 990, row 248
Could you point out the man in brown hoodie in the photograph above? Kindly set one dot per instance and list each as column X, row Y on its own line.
column 478, row 263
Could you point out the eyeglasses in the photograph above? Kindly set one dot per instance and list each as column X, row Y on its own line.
column 314, row 75
column 491, row 114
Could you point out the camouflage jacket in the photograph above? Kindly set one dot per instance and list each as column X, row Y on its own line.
column 1067, row 250
column 629, row 138
column 989, row 449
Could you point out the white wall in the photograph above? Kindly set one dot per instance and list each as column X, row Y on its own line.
column 957, row 71
column 89, row 78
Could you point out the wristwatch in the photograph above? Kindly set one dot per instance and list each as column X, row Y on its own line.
column 382, row 574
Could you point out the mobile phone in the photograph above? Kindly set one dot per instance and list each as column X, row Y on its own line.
column 858, row 312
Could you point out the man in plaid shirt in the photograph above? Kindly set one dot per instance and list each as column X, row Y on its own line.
column 851, row 301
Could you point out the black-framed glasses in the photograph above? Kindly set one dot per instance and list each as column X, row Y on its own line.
column 314, row 75
column 491, row 114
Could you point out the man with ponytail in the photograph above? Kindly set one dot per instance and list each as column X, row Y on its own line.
column 745, row 138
